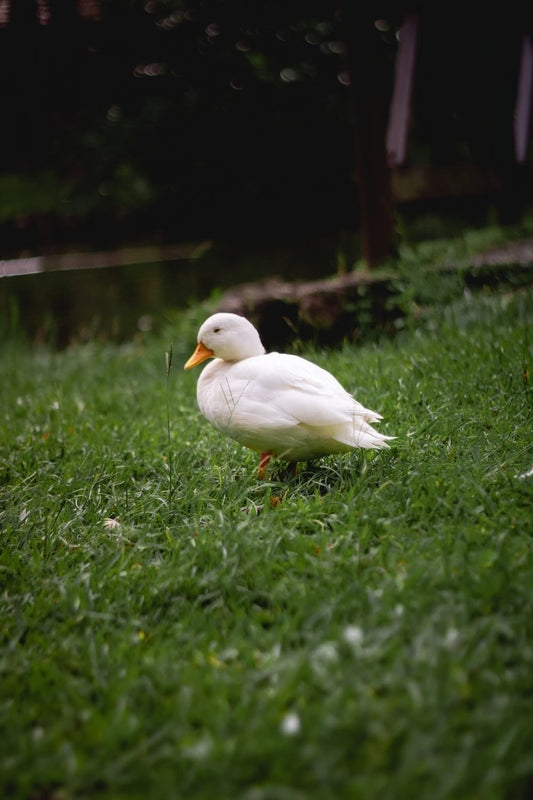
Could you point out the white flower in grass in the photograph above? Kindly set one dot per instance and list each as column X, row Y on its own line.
column 326, row 652
column 200, row 749
column 323, row 658
column 37, row 733
column 452, row 635
column 111, row 524
column 353, row 635
column 290, row 724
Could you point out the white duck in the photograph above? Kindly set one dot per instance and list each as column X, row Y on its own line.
column 277, row 404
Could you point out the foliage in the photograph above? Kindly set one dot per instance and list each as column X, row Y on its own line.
column 204, row 117
column 166, row 631
column 180, row 120
column 24, row 195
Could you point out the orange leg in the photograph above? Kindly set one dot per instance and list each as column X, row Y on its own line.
column 263, row 464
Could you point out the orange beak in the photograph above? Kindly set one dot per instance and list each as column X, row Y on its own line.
column 200, row 354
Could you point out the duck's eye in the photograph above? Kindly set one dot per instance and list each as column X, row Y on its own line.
column 216, row 330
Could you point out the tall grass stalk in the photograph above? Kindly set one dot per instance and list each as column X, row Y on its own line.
column 170, row 462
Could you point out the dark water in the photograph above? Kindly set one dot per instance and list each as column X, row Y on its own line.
column 114, row 302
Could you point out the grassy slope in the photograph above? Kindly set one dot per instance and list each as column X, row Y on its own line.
column 372, row 636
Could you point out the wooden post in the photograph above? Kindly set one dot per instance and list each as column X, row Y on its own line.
column 523, row 100
column 402, row 92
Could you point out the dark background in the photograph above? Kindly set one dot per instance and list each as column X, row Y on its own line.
column 167, row 121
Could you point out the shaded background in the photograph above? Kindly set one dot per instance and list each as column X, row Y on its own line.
column 172, row 120
column 183, row 120
column 252, row 124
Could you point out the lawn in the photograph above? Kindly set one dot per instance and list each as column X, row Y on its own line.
column 168, row 633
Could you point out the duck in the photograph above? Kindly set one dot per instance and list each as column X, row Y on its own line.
column 278, row 404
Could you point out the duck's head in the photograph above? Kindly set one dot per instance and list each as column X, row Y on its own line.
column 226, row 336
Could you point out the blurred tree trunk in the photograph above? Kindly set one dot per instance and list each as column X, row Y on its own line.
column 38, row 79
column 64, row 50
column 370, row 92
column 21, row 88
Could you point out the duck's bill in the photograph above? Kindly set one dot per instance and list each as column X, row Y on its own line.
column 200, row 354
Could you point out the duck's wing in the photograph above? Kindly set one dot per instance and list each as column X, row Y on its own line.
column 299, row 392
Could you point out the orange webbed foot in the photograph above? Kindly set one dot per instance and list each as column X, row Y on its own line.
column 263, row 464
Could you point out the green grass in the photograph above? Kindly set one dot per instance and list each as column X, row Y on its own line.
column 369, row 637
